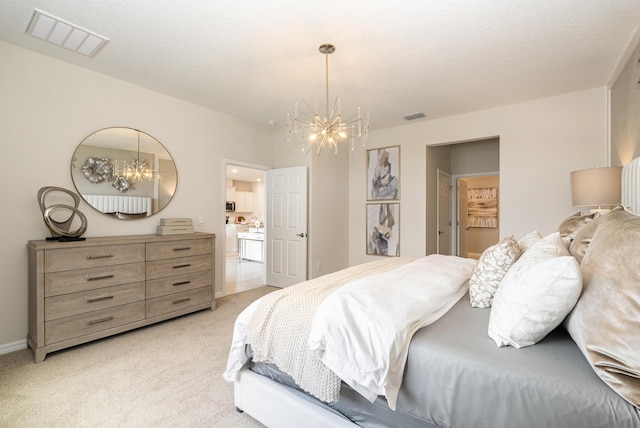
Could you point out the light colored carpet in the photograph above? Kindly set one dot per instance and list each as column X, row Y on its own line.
column 164, row 375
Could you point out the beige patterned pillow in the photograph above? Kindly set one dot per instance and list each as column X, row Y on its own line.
column 494, row 263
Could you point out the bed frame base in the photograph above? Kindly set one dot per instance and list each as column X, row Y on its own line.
column 277, row 406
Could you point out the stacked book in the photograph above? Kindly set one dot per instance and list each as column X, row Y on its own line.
column 175, row 226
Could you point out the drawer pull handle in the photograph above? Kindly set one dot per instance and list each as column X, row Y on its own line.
column 177, row 302
column 175, row 284
column 182, row 266
column 104, row 256
column 95, row 278
column 99, row 321
column 99, row 299
column 181, row 248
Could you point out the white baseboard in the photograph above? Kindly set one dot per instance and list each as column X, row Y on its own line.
column 5, row 348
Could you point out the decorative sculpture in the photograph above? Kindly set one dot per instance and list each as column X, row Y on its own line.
column 60, row 230
column 121, row 184
column 97, row 170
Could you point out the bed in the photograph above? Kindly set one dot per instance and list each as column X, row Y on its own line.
column 119, row 206
column 566, row 354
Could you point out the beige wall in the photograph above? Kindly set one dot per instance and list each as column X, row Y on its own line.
column 625, row 112
column 541, row 142
column 49, row 106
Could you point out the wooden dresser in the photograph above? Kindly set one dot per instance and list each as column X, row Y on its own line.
column 85, row 290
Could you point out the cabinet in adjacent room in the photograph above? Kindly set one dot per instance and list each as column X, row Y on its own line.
column 244, row 201
column 80, row 291
column 231, row 194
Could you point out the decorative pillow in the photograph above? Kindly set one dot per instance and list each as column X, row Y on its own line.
column 582, row 239
column 528, row 240
column 605, row 324
column 535, row 295
column 571, row 225
column 493, row 264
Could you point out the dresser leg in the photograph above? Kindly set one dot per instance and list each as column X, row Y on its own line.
column 38, row 353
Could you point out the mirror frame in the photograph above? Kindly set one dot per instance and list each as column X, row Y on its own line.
column 101, row 178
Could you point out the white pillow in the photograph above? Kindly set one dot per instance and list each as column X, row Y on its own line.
column 536, row 294
column 529, row 240
column 493, row 264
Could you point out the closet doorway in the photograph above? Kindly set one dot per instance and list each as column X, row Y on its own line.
column 245, row 253
column 475, row 236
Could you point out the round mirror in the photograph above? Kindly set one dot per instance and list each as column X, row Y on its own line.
column 124, row 173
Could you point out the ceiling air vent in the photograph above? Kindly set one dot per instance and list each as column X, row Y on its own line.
column 414, row 116
column 70, row 36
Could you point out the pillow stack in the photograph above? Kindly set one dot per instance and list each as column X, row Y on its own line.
column 536, row 294
column 605, row 324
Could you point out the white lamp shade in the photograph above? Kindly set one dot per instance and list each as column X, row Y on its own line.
column 596, row 186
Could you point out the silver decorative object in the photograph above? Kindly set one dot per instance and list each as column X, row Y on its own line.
column 98, row 169
column 121, row 184
column 60, row 230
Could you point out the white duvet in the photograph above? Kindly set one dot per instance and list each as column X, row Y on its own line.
column 362, row 330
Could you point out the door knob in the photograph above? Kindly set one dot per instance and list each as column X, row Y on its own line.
column 440, row 232
column 302, row 235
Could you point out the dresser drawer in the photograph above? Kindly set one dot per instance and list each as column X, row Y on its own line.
column 89, row 279
column 91, row 322
column 181, row 248
column 175, row 302
column 176, row 284
column 86, row 301
column 90, row 257
column 178, row 266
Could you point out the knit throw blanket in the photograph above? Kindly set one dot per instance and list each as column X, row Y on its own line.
column 280, row 326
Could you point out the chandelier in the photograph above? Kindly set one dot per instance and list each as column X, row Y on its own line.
column 330, row 129
column 137, row 169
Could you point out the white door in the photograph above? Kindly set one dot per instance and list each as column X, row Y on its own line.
column 444, row 213
column 463, row 221
column 286, row 221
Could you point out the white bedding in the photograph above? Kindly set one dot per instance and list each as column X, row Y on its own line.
column 277, row 327
column 370, row 356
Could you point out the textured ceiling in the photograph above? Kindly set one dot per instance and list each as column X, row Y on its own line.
column 255, row 59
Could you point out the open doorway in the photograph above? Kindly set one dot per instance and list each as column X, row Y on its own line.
column 245, row 253
column 446, row 207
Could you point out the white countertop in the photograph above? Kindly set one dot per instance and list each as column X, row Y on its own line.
column 254, row 236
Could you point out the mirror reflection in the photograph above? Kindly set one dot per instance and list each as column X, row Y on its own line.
column 124, row 173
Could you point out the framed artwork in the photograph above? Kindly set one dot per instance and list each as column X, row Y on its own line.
column 383, row 229
column 483, row 207
column 383, row 173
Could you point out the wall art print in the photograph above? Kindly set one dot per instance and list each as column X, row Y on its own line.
column 383, row 173
column 383, row 229
column 482, row 207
